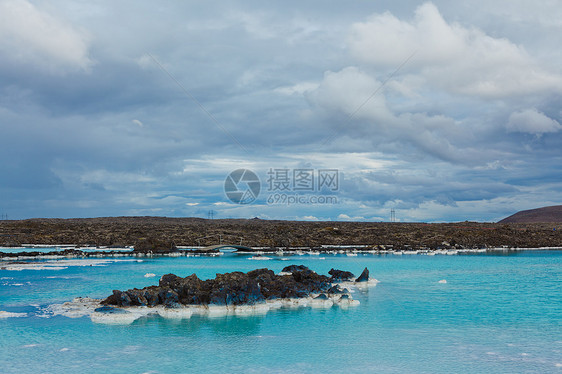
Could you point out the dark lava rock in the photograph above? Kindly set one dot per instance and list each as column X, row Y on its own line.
column 335, row 289
column 341, row 275
column 168, row 280
column 234, row 288
column 168, row 297
column 364, row 277
column 292, row 268
column 152, row 245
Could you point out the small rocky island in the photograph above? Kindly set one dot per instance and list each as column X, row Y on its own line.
column 239, row 289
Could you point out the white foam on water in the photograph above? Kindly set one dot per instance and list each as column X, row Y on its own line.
column 251, row 310
column 30, row 345
column 351, row 285
column 349, row 303
column 4, row 314
column 128, row 315
column 58, row 277
column 175, row 313
column 274, row 304
column 87, row 262
column 442, row 281
column 20, row 267
column 77, row 308
column 57, row 264
column 296, row 303
column 213, row 311
column 149, row 275
column 64, row 350
column 258, row 258
column 558, row 365
column 321, row 303
column 125, row 317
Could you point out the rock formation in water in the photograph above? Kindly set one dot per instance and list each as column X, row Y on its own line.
column 341, row 275
column 364, row 277
column 234, row 288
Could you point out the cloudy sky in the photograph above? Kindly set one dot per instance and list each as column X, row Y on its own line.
column 442, row 111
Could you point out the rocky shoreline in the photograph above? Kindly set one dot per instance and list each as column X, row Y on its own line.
column 8, row 258
column 236, row 293
column 165, row 235
column 237, row 288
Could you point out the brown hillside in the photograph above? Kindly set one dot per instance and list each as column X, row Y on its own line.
column 549, row 214
column 134, row 231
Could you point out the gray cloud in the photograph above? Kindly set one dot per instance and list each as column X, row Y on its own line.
column 531, row 121
column 38, row 40
column 91, row 126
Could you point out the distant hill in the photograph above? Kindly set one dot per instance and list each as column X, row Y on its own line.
column 547, row 214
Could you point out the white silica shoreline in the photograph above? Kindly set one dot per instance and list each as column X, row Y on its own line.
column 92, row 308
column 4, row 314
column 86, row 307
column 258, row 252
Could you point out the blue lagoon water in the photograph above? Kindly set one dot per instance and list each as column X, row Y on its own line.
column 496, row 313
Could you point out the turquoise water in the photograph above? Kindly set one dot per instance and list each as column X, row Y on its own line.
column 45, row 249
column 499, row 313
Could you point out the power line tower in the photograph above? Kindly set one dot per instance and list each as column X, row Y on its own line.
column 392, row 215
column 211, row 214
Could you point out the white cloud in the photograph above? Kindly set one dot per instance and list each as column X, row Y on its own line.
column 349, row 90
column 345, row 217
column 533, row 122
column 362, row 99
column 310, row 218
column 258, row 69
column 449, row 55
column 137, row 122
column 297, row 89
column 31, row 36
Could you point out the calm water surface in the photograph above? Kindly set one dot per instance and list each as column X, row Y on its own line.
column 497, row 313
